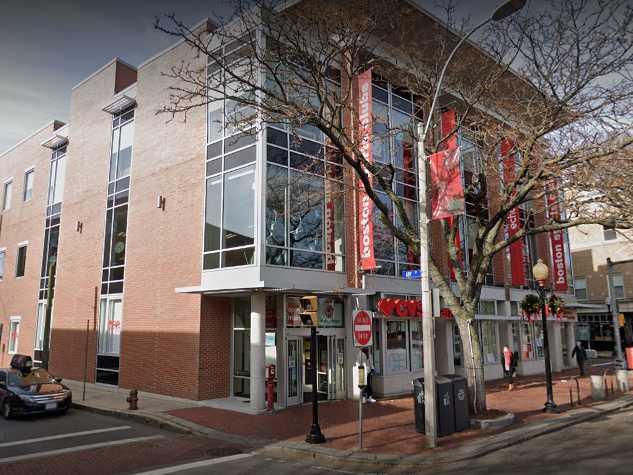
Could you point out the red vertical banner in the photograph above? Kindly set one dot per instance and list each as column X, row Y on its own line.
column 513, row 221
column 557, row 239
column 446, row 178
column 448, row 125
column 365, row 205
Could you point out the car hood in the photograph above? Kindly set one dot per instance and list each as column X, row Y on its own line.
column 38, row 389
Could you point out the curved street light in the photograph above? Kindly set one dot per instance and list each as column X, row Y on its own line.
column 506, row 9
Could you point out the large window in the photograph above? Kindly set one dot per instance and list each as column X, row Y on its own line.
column 29, row 176
column 229, row 234
column 20, row 266
column 241, row 347
column 580, row 288
column 14, row 334
column 304, row 201
column 618, row 286
column 109, row 340
column 3, row 254
column 56, row 180
column 115, row 245
column 488, row 337
column 6, row 196
column 40, row 324
column 393, row 144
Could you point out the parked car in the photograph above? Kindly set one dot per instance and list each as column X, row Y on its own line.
column 28, row 390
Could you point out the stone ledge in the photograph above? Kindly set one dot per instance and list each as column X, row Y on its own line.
column 496, row 423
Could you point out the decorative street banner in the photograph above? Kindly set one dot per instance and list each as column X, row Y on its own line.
column 448, row 192
column 557, row 240
column 513, row 221
column 365, row 205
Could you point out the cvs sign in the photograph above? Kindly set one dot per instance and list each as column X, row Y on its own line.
column 400, row 307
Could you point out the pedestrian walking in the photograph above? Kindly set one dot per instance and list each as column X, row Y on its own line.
column 367, row 361
column 509, row 364
column 581, row 356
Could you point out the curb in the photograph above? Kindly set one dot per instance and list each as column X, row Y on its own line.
column 174, row 424
column 477, row 449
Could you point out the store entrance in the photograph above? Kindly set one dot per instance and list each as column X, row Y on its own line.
column 329, row 365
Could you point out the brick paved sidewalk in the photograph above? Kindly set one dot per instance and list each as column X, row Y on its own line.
column 388, row 424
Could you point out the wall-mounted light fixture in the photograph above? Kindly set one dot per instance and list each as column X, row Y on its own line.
column 160, row 202
column 80, row 227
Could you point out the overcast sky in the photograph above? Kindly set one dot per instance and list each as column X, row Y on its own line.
column 49, row 46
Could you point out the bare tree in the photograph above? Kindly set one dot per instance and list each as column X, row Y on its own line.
column 556, row 86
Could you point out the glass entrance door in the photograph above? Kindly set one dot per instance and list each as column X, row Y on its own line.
column 336, row 368
column 295, row 384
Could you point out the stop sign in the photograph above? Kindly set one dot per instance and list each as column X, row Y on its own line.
column 362, row 328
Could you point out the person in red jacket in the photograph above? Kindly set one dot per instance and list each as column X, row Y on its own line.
column 509, row 364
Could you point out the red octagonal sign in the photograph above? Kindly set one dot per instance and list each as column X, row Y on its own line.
column 362, row 328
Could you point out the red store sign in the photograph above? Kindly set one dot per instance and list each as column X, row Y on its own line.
column 400, row 307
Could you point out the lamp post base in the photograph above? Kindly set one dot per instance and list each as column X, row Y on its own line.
column 315, row 436
column 551, row 407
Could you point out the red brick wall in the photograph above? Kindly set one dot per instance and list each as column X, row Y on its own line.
column 215, row 348
column 24, row 221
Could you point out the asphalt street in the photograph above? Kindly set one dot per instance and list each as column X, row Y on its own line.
column 85, row 442
column 602, row 446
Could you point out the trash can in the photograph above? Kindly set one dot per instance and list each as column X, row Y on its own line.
column 460, row 401
column 418, row 404
column 445, row 406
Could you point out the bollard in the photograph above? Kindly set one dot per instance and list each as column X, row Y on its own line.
column 132, row 400
column 623, row 380
column 571, row 397
column 578, row 390
column 598, row 389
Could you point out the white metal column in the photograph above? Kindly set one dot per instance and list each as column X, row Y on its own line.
column 258, row 351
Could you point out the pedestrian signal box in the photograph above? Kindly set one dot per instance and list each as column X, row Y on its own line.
column 309, row 311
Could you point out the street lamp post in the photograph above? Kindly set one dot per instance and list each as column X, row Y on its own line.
column 505, row 10
column 541, row 273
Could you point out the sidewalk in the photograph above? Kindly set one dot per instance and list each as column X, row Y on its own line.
column 388, row 424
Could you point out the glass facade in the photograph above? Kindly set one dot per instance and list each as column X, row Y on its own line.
column 393, row 144
column 229, row 231
column 115, row 249
column 305, row 224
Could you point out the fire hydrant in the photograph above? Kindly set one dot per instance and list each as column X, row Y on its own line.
column 270, row 387
column 132, row 400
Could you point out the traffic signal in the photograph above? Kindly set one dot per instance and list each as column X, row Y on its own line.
column 309, row 311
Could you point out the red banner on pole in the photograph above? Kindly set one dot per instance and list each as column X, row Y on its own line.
column 557, row 240
column 365, row 205
column 448, row 192
column 513, row 221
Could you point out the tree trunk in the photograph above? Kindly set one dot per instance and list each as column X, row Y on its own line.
column 473, row 364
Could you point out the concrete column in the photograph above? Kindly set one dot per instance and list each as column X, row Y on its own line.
column 258, row 352
column 555, row 345
column 570, row 334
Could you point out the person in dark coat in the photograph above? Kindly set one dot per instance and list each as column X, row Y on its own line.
column 581, row 356
column 509, row 364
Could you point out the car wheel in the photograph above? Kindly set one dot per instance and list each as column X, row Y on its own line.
column 7, row 413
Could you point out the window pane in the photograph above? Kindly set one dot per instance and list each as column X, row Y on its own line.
column 119, row 234
column 6, row 200
column 306, row 212
column 238, row 257
column 21, row 261
column 125, row 150
column 240, row 158
column 308, row 260
column 416, row 345
column 396, row 354
column 239, row 206
column 110, row 317
column 115, row 153
column 2, row 257
column 39, row 331
column 28, row 185
column 276, row 189
column 213, row 214
column 60, row 179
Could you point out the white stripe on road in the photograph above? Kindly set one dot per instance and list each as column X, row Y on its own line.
column 62, row 436
column 78, row 448
column 192, row 465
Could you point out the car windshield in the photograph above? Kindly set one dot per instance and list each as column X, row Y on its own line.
column 36, row 376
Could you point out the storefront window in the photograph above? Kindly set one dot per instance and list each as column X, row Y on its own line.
column 531, row 341
column 376, row 325
column 488, row 336
column 538, row 340
column 416, row 345
column 396, row 354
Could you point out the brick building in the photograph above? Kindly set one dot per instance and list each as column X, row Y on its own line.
column 591, row 245
column 180, row 250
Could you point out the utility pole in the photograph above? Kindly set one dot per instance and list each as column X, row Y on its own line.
column 49, row 308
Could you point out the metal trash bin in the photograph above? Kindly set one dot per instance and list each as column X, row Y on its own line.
column 460, row 401
column 445, row 406
column 418, row 404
